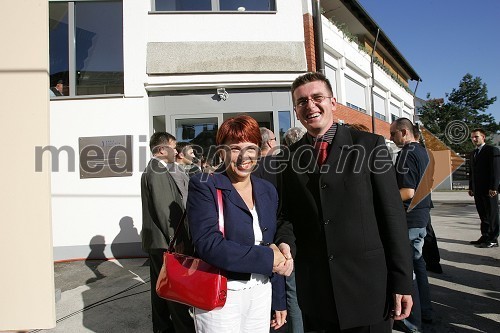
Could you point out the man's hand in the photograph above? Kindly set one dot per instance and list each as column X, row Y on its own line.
column 279, row 258
column 471, row 193
column 402, row 306
column 492, row 193
column 279, row 319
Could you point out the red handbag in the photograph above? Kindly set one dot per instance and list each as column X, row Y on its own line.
column 189, row 280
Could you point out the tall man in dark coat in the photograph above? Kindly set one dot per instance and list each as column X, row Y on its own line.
column 352, row 254
column 484, row 179
column 162, row 210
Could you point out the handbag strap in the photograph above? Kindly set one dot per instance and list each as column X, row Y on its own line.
column 181, row 222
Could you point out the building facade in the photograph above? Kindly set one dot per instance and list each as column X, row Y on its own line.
column 121, row 70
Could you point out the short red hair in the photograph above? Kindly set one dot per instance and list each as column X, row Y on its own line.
column 239, row 129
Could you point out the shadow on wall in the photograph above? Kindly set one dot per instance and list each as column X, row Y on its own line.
column 127, row 244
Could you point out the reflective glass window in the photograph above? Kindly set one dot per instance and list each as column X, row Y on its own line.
column 247, row 5
column 183, row 5
column 58, row 46
column 99, row 48
column 284, row 123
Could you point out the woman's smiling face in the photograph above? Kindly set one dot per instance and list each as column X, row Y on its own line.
column 240, row 159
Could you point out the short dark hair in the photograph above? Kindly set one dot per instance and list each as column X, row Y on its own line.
column 239, row 129
column 158, row 139
column 405, row 123
column 311, row 77
column 480, row 130
column 181, row 146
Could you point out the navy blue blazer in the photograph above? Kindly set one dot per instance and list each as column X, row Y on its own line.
column 236, row 252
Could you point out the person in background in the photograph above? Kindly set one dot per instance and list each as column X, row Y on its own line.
column 57, row 90
column 359, row 127
column 268, row 144
column 268, row 169
column 246, row 250
column 186, row 158
column 162, row 210
column 341, row 203
column 430, row 251
column 411, row 164
column 267, row 164
column 293, row 135
column 484, row 180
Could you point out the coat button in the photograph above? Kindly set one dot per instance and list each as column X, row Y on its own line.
column 265, row 229
column 323, row 186
column 326, row 222
column 330, row 257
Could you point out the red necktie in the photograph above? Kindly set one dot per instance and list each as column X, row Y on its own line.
column 321, row 148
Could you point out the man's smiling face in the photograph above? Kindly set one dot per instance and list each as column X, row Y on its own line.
column 315, row 115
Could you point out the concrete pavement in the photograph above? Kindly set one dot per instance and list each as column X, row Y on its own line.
column 113, row 296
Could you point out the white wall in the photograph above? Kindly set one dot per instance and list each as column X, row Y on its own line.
column 84, row 208
column 357, row 65
column 285, row 25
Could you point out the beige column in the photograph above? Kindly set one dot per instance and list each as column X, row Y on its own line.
column 27, row 271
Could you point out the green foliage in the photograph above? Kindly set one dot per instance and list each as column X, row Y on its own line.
column 466, row 104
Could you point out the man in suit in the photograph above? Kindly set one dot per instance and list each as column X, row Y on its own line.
column 352, row 255
column 162, row 210
column 484, row 179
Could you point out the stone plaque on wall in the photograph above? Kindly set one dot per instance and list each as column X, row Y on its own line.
column 105, row 156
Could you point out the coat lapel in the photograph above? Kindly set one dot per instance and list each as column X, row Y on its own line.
column 222, row 182
column 341, row 145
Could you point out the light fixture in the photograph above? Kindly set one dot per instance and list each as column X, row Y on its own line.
column 222, row 93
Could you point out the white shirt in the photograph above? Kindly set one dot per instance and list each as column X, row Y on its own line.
column 255, row 279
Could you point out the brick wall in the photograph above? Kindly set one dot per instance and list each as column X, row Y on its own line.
column 309, row 42
column 350, row 116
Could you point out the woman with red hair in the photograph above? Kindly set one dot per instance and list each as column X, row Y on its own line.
column 245, row 251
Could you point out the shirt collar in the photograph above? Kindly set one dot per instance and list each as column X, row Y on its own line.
column 327, row 137
column 161, row 161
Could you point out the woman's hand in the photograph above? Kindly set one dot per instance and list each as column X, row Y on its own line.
column 279, row 319
column 279, row 258
column 283, row 262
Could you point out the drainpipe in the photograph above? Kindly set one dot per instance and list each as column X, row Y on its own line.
column 373, row 81
column 318, row 37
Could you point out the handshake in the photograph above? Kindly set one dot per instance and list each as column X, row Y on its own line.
column 283, row 261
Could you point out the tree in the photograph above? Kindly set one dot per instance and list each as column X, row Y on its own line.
column 464, row 110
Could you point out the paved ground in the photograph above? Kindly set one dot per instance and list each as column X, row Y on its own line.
column 113, row 296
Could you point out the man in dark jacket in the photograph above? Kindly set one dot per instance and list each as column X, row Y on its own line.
column 162, row 210
column 484, row 179
column 352, row 255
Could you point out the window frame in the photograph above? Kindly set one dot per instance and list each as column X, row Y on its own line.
column 72, row 84
column 215, row 4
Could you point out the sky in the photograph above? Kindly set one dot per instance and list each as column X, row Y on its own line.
column 443, row 40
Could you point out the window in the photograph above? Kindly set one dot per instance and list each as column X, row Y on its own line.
column 86, row 47
column 355, row 94
column 330, row 73
column 379, row 106
column 395, row 110
column 214, row 5
column 285, row 122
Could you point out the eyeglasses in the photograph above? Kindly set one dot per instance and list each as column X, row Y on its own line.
column 302, row 102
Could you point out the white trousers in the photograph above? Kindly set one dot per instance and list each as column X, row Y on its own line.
column 246, row 311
